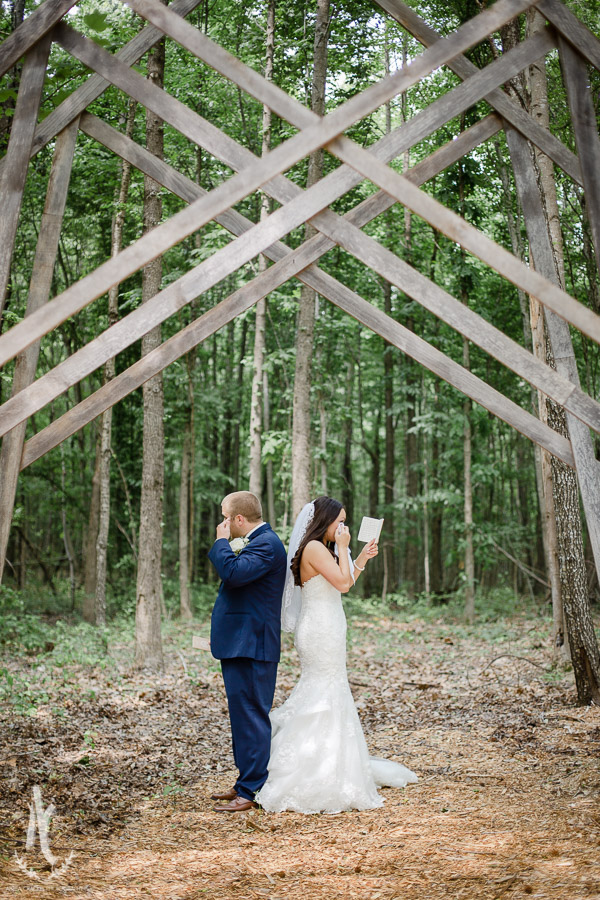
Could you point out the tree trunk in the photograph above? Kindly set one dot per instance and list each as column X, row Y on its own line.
column 185, row 608
column 259, row 375
column 389, row 543
column 186, row 494
column 108, row 375
column 301, row 480
column 89, row 597
column 543, row 226
column 148, row 650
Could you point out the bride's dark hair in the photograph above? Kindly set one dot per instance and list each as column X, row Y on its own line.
column 326, row 511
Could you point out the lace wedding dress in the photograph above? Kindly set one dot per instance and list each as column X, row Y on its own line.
column 319, row 758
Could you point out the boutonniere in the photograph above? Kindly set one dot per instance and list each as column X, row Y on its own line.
column 238, row 544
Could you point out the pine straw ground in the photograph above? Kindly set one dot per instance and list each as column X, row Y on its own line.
column 506, row 805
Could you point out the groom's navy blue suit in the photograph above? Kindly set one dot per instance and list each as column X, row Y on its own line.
column 245, row 636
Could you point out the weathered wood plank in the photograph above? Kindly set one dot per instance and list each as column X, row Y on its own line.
column 184, row 223
column 261, row 171
column 497, row 99
column 469, row 34
column 81, row 98
column 572, row 29
column 31, row 30
column 92, row 56
column 586, row 464
column 39, row 291
column 242, row 300
column 226, row 149
column 449, row 307
column 463, row 319
column 90, row 357
column 415, row 130
column 457, row 229
column 17, row 155
column 237, row 224
column 583, row 119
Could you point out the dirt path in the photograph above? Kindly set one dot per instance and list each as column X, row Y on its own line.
column 506, row 806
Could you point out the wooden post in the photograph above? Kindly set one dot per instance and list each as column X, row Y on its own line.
column 497, row 99
column 39, row 291
column 31, row 31
column 14, row 172
column 91, row 89
column 583, row 118
column 586, row 464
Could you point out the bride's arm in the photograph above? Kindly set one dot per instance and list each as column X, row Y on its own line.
column 318, row 561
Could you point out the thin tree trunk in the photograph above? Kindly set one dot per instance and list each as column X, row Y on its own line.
column 185, row 609
column 301, row 481
column 259, row 375
column 89, row 597
column 389, row 556
column 269, row 466
column 148, row 651
column 468, row 500
column 109, row 374
column 467, row 441
column 186, row 495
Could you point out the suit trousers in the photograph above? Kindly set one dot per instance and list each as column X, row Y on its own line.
column 250, row 687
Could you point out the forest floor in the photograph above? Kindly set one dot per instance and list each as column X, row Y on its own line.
column 506, row 805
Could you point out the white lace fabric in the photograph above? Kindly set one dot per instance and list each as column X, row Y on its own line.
column 319, row 757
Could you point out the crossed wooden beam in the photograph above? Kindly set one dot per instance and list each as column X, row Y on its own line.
column 297, row 207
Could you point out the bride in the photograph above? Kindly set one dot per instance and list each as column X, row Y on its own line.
column 319, row 758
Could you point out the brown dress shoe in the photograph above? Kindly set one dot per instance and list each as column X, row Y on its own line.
column 231, row 794
column 240, row 804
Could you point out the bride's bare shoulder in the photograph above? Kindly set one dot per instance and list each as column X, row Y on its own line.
column 315, row 548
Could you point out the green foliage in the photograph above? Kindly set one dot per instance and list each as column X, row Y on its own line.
column 349, row 400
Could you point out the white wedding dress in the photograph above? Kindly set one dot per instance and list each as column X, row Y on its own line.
column 319, row 757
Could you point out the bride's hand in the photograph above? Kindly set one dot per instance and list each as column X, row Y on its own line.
column 342, row 536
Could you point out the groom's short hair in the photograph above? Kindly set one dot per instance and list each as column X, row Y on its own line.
column 244, row 503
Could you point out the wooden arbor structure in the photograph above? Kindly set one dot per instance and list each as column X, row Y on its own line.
column 577, row 46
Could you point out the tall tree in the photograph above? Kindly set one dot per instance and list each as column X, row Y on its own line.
column 301, row 425
column 108, row 375
column 258, row 398
column 148, row 643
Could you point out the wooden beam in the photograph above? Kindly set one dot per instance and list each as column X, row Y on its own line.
column 261, row 171
column 477, row 243
column 31, row 30
column 344, row 232
column 220, row 145
column 497, row 99
column 583, row 120
column 39, row 291
column 468, row 35
column 84, row 95
column 237, row 224
column 579, row 315
column 243, row 299
column 418, row 287
column 574, row 31
column 463, row 319
column 237, row 157
column 586, row 464
column 14, row 174
column 125, row 332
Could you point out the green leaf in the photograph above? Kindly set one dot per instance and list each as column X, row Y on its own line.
column 96, row 21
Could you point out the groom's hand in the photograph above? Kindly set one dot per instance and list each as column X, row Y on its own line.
column 223, row 529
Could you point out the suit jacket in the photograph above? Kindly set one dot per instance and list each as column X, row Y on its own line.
column 246, row 618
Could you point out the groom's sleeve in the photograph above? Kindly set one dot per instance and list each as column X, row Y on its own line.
column 251, row 563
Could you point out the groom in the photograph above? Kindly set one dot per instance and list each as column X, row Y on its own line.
column 245, row 636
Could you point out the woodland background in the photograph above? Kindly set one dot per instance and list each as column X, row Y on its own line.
column 457, row 487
